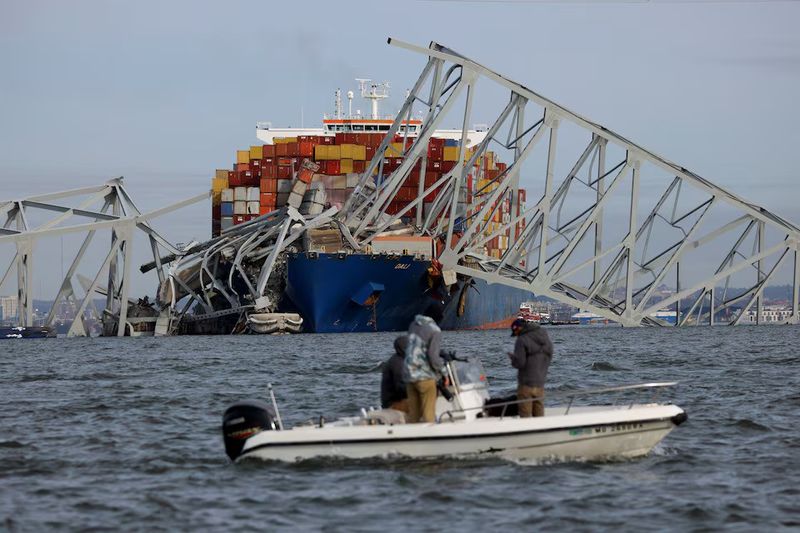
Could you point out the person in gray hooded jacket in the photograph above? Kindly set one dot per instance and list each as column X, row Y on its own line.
column 423, row 364
column 533, row 351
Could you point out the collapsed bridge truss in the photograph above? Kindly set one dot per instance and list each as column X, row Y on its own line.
column 613, row 223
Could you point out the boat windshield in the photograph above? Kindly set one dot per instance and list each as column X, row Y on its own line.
column 470, row 372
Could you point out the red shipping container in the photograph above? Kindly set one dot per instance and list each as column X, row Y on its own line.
column 305, row 148
column 285, row 161
column 268, row 185
column 292, row 149
column 239, row 167
column 280, row 150
column 284, row 172
column 264, row 209
column 340, row 138
column 435, row 165
column 370, row 150
column 331, row 166
column 359, row 166
column 521, row 194
column 431, row 178
column 268, row 198
column 238, row 219
column 255, row 163
column 305, row 177
column 328, row 140
column 268, row 151
column 447, row 166
column 216, row 211
column 268, row 172
column 235, row 180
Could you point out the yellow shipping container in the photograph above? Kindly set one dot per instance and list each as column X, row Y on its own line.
column 217, row 184
column 346, row 166
column 321, row 152
column 290, row 139
column 450, row 153
column 242, row 156
column 279, row 140
column 334, row 152
column 216, row 197
column 359, row 152
column 346, row 151
column 222, row 173
column 256, row 152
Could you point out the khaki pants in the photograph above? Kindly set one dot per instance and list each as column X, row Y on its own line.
column 421, row 401
column 535, row 407
column 400, row 405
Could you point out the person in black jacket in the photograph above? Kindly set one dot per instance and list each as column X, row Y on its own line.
column 393, row 385
column 533, row 351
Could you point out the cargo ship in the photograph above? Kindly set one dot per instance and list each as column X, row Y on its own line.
column 382, row 287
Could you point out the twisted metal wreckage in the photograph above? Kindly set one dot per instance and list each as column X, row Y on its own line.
column 567, row 245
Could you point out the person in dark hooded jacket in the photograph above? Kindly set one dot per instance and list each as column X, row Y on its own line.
column 393, row 383
column 533, row 351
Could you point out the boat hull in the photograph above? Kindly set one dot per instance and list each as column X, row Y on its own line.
column 612, row 434
column 361, row 293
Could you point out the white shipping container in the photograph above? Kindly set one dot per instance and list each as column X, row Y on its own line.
column 252, row 208
column 284, row 186
column 253, row 194
column 226, row 195
column 352, row 179
column 240, row 194
column 240, row 207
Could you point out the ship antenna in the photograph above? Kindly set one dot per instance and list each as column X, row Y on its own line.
column 350, row 104
column 337, row 104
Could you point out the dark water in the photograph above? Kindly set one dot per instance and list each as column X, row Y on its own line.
column 114, row 434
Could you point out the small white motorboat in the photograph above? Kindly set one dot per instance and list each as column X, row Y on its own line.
column 274, row 323
column 468, row 424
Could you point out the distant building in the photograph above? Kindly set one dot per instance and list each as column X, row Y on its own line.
column 769, row 315
column 9, row 307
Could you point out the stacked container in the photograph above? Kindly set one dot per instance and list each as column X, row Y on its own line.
column 268, row 177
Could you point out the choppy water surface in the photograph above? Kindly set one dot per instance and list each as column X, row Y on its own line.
column 125, row 434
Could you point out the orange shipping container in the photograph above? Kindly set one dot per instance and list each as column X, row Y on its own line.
column 268, row 185
column 268, row 198
column 305, row 148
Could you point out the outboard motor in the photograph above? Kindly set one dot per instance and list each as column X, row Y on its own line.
column 242, row 420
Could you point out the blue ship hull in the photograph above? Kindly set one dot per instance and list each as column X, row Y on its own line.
column 360, row 293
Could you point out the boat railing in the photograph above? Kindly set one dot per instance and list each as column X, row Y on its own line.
column 655, row 387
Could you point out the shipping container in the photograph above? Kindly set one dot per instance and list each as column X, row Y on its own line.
column 243, row 156
column 227, row 195
column 450, row 153
column 240, row 207
column 226, row 209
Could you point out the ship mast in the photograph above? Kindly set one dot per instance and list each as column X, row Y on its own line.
column 375, row 93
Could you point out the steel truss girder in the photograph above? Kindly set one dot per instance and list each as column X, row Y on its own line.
column 118, row 214
column 547, row 246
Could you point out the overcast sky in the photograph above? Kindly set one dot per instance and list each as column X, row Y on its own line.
column 165, row 92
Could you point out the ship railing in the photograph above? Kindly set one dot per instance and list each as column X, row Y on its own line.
column 640, row 388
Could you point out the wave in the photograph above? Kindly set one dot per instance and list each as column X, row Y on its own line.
column 602, row 366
